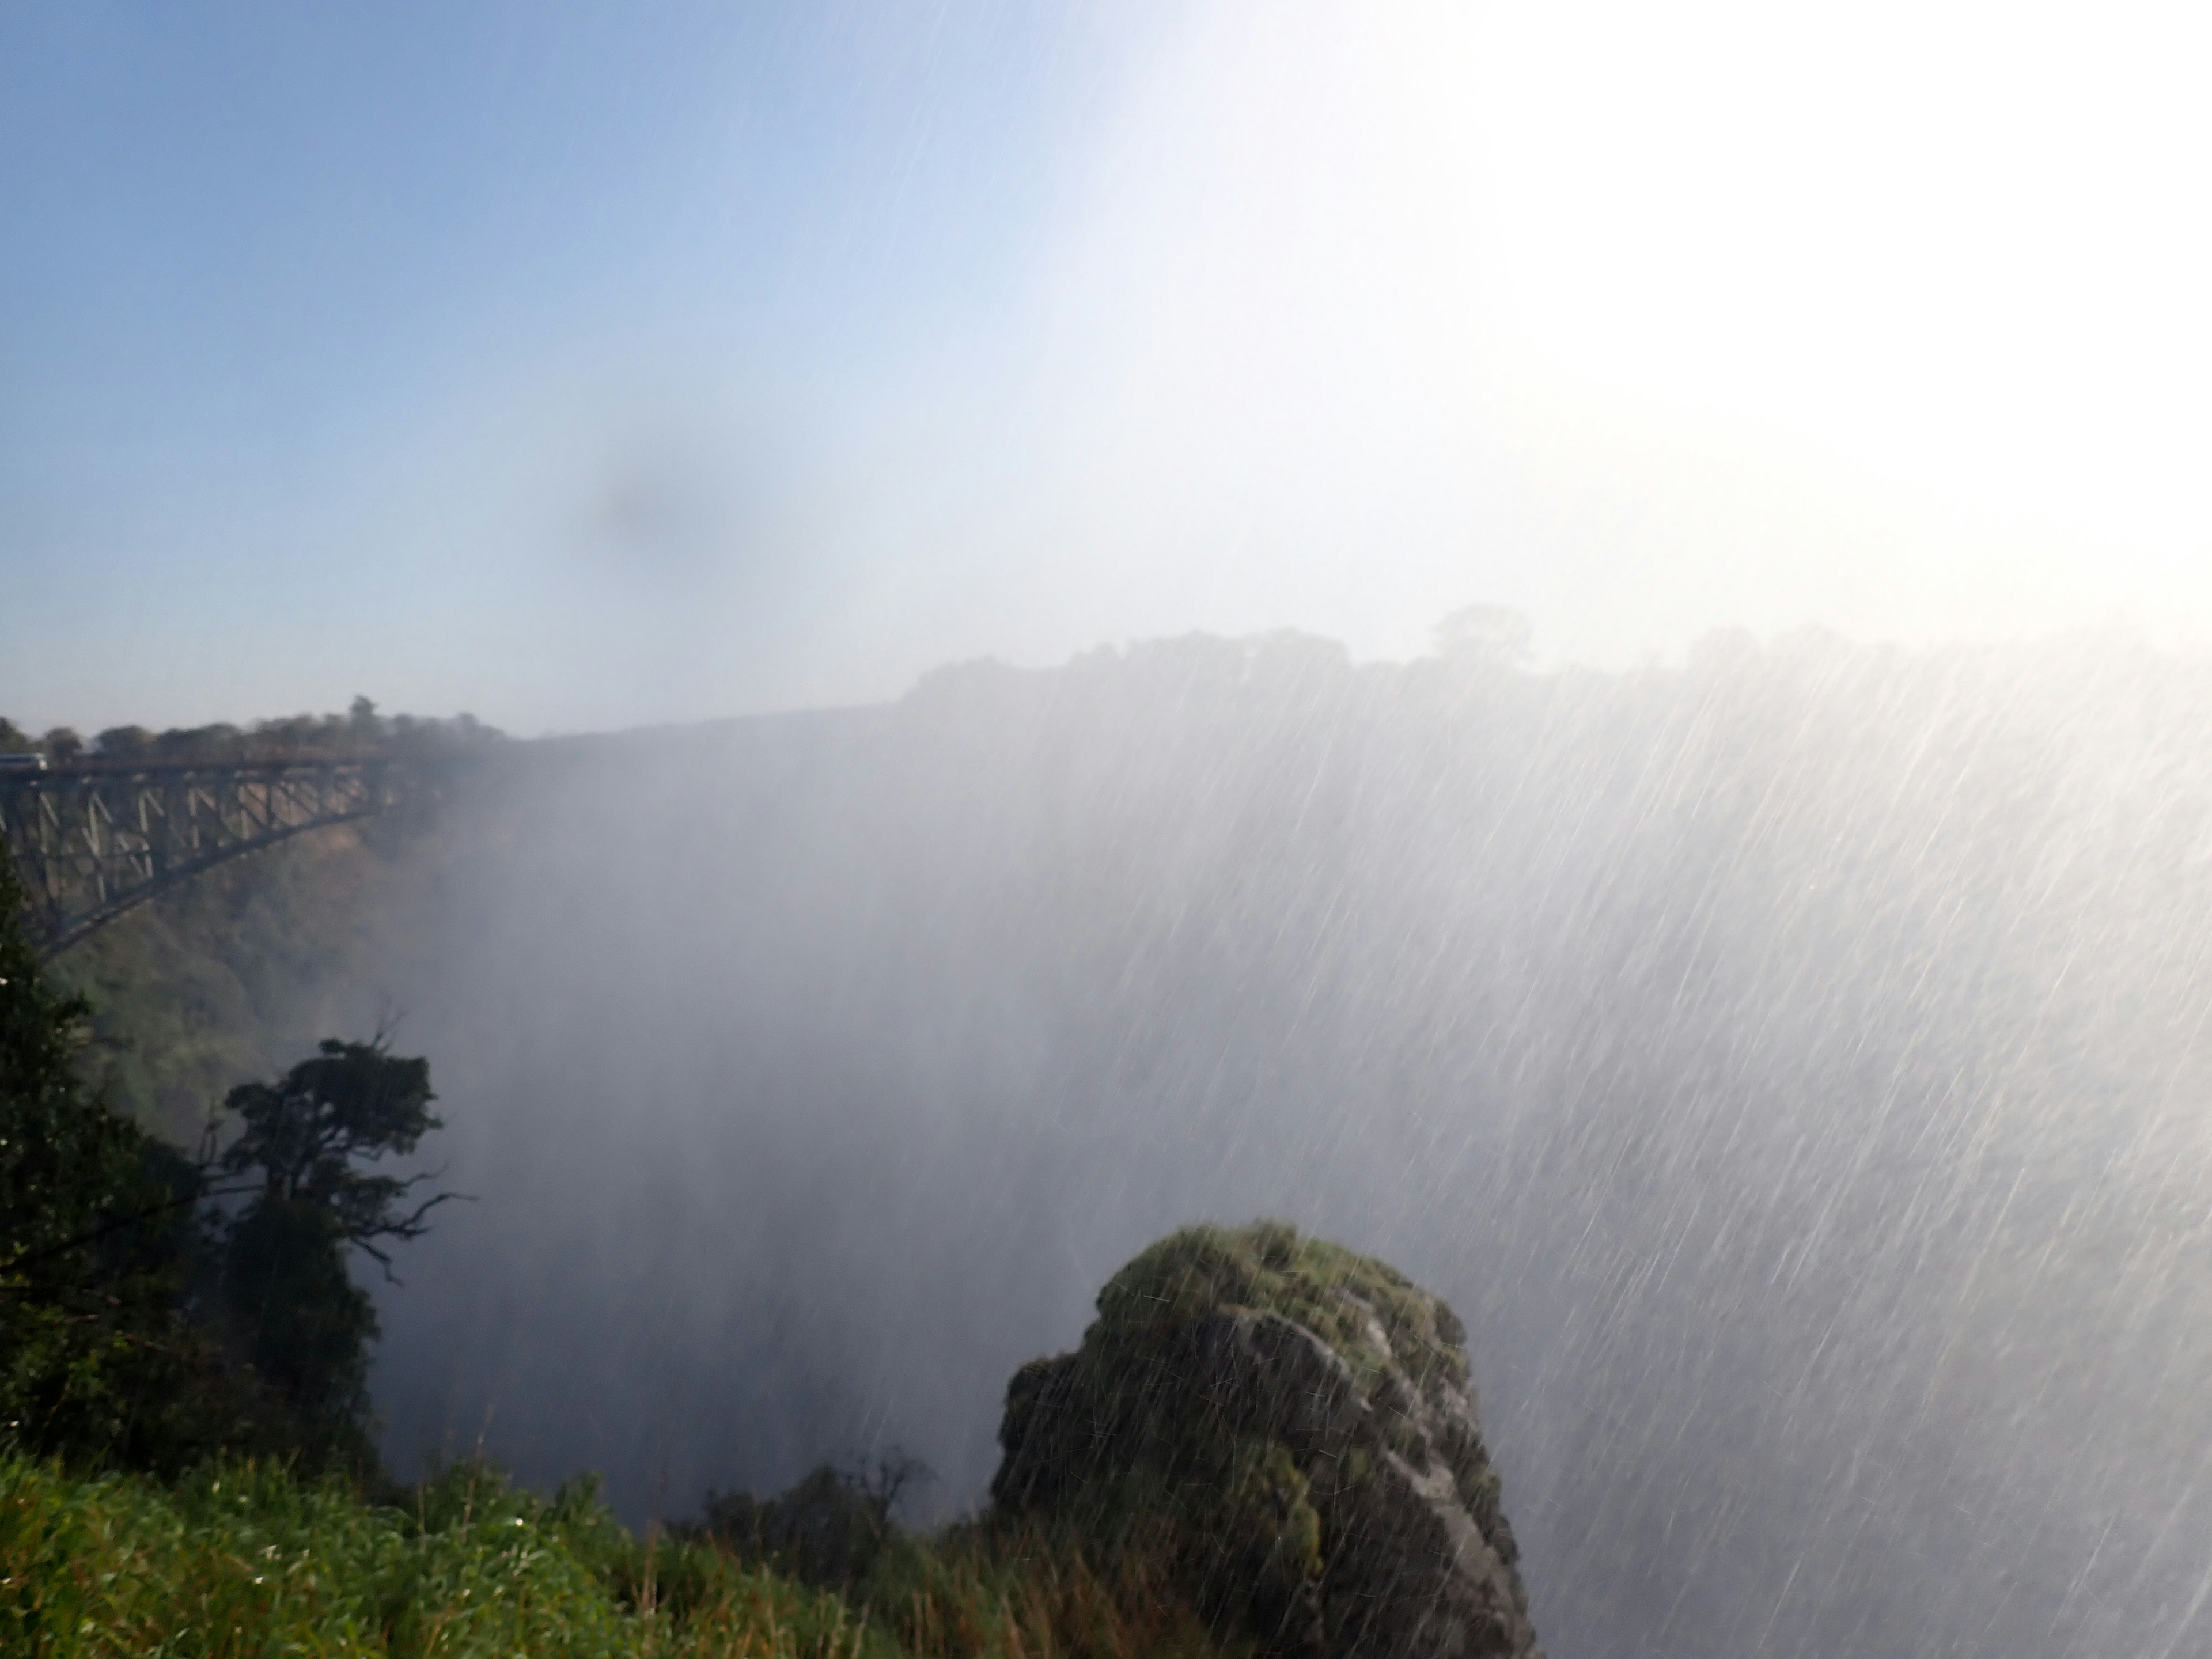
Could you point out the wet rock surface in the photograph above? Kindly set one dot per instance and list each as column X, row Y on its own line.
column 1292, row 1426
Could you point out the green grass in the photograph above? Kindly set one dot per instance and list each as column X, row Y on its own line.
column 248, row 1560
column 1032, row 1591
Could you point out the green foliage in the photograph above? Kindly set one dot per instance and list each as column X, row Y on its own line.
column 1121, row 1440
column 250, row 1560
column 286, row 1303
column 104, row 1249
column 995, row 1587
column 215, row 981
column 833, row 1528
column 359, row 731
column 1007, row 1588
column 302, row 1136
column 95, row 1233
column 1269, row 1268
column 288, row 1309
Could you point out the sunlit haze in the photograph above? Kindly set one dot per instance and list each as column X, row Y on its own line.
column 1566, row 645
column 583, row 368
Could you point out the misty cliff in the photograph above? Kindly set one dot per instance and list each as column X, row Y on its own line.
column 1790, row 1065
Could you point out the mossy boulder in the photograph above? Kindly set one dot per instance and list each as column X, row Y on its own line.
column 1291, row 1425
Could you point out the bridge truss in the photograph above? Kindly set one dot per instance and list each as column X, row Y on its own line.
column 93, row 840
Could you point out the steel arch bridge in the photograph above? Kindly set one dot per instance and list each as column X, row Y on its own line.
column 93, row 839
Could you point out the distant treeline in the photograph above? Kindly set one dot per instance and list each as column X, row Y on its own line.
column 361, row 730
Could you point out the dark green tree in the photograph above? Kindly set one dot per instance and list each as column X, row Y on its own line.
column 363, row 724
column 289, row 1305
column 124, row 743
column 96, row 1229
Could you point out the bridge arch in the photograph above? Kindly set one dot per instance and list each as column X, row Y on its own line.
column 92, row 839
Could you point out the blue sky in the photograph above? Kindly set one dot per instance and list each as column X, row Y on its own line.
column 262, row 257
column 588, row 365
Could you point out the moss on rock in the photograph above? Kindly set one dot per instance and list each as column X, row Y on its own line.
column 1290, row 1423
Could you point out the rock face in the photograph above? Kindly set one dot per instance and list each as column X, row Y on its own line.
column 1289, row 1426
